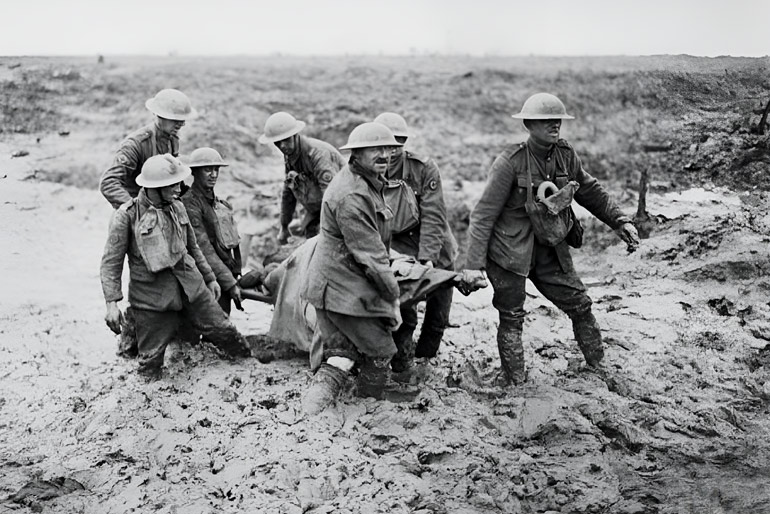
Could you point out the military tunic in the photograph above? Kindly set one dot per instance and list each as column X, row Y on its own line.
column 314, row 163
column 118, row 182
column 223, row 256
column 500, row 229
column 432, row 239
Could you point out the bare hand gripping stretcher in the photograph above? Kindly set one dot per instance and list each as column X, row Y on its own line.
column 294, row 319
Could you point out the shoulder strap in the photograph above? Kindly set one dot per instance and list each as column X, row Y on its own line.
column 529, row 179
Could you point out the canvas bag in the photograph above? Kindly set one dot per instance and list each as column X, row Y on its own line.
column 550, row 229
column 402, row 201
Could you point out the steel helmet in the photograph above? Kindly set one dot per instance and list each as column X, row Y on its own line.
column 161, row 171
column 543, row 106
column 395, row 122
column 171, row 104
column 370, row 134
column 205, row 156
column 279, row 126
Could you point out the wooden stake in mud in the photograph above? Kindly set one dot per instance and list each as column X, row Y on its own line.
column 642, row 218
column 763, row 120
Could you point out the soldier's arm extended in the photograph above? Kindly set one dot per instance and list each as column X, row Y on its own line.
column 487, row 211
column 111, row 270
column 356, row 218
column 595, row 198
column 221, row 271
column 432, row 214
column 113, row 182
column 288, row 204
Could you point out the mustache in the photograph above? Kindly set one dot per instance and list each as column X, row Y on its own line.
column 381, row 160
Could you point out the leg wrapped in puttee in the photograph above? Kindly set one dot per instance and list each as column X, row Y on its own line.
column 437, row 308
column 588, row 336
column 511, row 350
column 324, row 389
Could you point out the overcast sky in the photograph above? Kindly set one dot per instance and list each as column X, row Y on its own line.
column 305, row 27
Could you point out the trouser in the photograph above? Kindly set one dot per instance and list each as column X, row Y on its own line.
column 154, row 330
column 355, row 337
column 437, row 307
column 311, row 224
column 562, row 287
column 187, row 331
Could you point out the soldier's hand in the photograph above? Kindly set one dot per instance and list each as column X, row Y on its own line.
column 627, row 232
column 283, row 235
column 471, row 280
column 235, row 294
column 113, row 317
column 396, row 322
column 215, row 289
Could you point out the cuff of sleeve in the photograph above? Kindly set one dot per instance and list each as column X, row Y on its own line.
column 113, row 297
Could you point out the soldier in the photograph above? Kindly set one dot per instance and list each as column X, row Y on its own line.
column 503, row 241
column 426, row 236
column 351, row 284
column 171, row 109
column 169, row 277
column 118, row 183
column 214, row 226
column 310, row 165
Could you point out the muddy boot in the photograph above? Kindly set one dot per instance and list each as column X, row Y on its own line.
column 589, row 337
column 324, row 389
column 511, row 351
column 372, row 378
column 404, row 358
column 428, row 343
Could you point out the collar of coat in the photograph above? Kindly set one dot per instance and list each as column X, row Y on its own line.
column 206, row 194
column 541, row 151
column 374, row 179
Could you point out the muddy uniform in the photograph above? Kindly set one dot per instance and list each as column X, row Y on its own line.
column 118, row 185
column 217, row 237
column 308, row 172
column 350, row 281
column 502, row 241
column 118, row 182
column 168, row 277
column 431, row 240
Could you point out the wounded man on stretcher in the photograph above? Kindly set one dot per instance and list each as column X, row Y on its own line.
column 294, row 319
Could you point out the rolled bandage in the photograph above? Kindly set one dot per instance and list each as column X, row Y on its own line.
column 545, row 188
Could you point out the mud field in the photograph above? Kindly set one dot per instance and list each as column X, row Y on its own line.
column 676, row 423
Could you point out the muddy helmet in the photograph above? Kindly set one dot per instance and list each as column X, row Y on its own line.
column 368, row 135
column 543, row 106
column 205, row 156
column 280, row 126
column 161, row 171
column 171, row 104
column 395, row 122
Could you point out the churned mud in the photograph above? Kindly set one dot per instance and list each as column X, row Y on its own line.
column 676, row 422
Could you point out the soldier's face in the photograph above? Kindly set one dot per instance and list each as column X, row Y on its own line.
column 170, row 193
column 545, row 132
column 286, row 146
column 395, row 151
column 170, row 127
column 374, row 158
column 206, row 176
